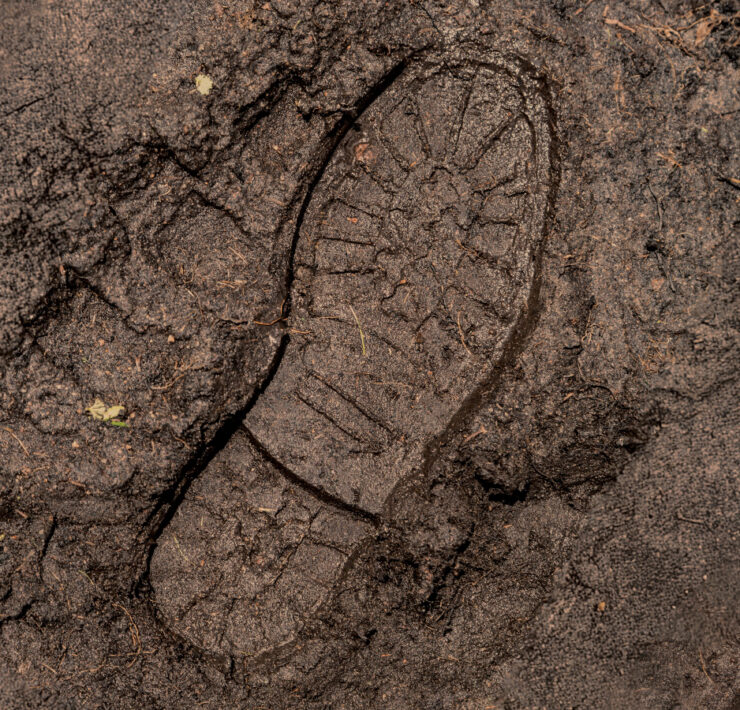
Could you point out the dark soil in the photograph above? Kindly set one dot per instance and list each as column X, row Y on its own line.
column 425, row 321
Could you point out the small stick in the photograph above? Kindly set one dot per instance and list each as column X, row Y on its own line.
column 462, row 337
column 359, row 327
column 621, row 25
column 133, row 628
column 278, row 319
column 179, row 549
column 25, row 450
column 734, row 182
column 704, row 667
column 482, row 430
column 657, row 202
column 241, row 256
column 160, row 388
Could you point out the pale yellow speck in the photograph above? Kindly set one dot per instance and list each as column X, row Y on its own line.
column 204, row 84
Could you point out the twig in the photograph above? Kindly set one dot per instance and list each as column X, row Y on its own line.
column 25, row 450
column 704, row 667
column 134, row 630
column 657, row 202
column 621, row 25
column 359, row 327
column 241, row 256
column 278, row 319
column 469, row 437
column 462, row 336
column 160, row 388
column 670, row 159
column 581, row 9
column 733, row 182
column 179, row 549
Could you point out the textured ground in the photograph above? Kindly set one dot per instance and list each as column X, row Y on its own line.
column 424, row 317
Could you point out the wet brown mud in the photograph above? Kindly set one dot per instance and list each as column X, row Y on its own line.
column 424, row 321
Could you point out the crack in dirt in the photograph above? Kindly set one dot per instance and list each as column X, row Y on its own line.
column 317, row 492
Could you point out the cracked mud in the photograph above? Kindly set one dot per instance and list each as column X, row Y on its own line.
column 424, row 322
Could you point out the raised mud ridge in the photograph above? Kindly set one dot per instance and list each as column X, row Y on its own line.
column 414, row 280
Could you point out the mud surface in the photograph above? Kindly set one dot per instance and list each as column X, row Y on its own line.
column 424, row 319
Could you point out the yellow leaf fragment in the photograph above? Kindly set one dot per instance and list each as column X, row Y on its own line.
column 114, row 412
column 99, row 411
column 203, row 84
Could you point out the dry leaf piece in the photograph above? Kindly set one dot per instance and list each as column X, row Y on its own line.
column 114, row 412
column 97, row 409
column 100, row 412
column 203, row 84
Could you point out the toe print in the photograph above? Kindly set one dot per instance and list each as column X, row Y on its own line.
column 415, row 259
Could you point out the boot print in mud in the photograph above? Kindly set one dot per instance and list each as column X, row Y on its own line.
column 415, row 260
